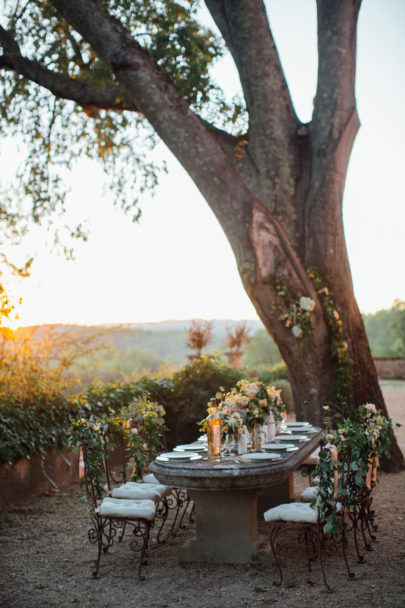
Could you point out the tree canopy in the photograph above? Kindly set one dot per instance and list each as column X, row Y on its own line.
column 63, row 101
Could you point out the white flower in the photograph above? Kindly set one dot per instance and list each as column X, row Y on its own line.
column 297, row 331
column 371, row 408
column 252, row 390
column 229, row 402
column 307, row 304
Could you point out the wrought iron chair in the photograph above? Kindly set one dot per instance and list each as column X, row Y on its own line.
column 358, row 504
column 313, row 523
column 110, row 515
column 118, row 472
column 308, row 466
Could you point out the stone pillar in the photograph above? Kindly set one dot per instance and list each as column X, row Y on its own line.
column 226, row 527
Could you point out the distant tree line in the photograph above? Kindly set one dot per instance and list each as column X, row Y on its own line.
column 386, row 331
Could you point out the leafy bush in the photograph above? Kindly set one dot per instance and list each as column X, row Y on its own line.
column 269, row 375
column 193, row 387
column 43, row 421
column 286, row 394
column 29, row 428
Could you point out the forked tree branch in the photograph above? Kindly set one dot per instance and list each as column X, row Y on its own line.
column 245, row 28
column 335, row 101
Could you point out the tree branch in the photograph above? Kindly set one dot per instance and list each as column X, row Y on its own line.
column 109, row 97
column 245, row 28
column 182, row 130
column 335, row 101
column 332, row 132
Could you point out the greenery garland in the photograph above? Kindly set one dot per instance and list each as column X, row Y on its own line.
column 90, row 433
column 342, row 394
column 294, row 312
column 145, row 427
column 141, row 425
column 360, row 443
column 324, row 500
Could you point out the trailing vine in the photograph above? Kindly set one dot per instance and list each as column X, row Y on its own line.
column 89, row 432
column 324, row 501
column 145, row 427
column 342, row 395
column 359, row 443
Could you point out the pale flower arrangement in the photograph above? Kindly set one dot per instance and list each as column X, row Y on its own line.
column 248, row 405
column 297, row 319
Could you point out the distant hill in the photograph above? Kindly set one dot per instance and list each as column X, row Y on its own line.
column 165, row 339
column 219, row 326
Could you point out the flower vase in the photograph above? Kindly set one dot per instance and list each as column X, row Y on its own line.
column 263, row 434
column 229, row 445
column 242, row 443
column 271, row 427
column 256, row 438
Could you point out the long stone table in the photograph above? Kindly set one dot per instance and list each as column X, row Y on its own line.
column 226, row 495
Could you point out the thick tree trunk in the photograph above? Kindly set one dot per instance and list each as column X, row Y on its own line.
column 280, row 201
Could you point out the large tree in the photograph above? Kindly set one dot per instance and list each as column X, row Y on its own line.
column 81, row 75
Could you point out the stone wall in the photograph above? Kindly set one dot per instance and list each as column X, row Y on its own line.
column 24, row 481
column 390, row 367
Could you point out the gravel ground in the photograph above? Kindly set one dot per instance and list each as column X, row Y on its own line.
column 46, row 561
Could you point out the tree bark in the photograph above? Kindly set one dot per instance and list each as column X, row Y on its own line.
column 280, row 205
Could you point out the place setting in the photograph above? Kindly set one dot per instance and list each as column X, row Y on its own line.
column 198, row 447
column 179, row 456
column 257, row 457
column 273, row 446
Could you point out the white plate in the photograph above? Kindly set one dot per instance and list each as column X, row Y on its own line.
column 191, row 458
column 257, row 456
column 203, row 438
column 298, row 423
column 291, row 438
column 302, row 429
column 190, row 447
column 178, row 455
column 278, row 446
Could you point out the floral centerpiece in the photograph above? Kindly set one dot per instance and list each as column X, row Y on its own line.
column 249, row 404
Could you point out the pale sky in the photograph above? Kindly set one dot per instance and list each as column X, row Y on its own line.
column 177, row 263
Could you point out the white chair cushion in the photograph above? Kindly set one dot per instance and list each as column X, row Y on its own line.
column 149, row 478
column 138, row 491
column 312, row 459
column 300, row 512
column 294, row 511
column 308, row 494
column 114, row 507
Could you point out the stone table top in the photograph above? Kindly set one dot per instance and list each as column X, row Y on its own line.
column 229, row 473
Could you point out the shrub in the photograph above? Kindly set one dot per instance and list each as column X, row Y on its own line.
column 267, row 374
column 193, row 387
column 26, row 428
column 286, row 394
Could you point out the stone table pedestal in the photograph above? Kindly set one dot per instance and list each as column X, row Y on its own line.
column 226, row 527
